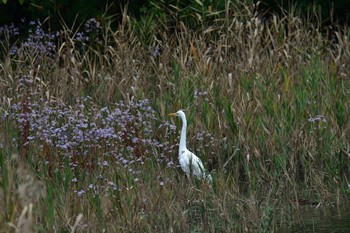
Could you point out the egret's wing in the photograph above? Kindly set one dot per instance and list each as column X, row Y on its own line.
column 185, row 162
column 197, row 167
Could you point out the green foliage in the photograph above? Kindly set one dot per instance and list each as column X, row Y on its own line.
column 275, row 105
column 196, row 14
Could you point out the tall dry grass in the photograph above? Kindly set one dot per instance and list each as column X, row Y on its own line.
column 273, row 94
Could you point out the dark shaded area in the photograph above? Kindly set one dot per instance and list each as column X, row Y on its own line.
column 12, row 12
column 331, row 12
column 72, row 12
column 78, row 11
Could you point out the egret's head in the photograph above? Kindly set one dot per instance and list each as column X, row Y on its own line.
column 179, row 113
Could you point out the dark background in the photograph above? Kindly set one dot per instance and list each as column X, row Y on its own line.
column 78, row 11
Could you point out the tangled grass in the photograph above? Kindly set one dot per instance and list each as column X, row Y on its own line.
column 87, row 145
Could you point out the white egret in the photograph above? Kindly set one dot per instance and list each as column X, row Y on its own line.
column 189, row 162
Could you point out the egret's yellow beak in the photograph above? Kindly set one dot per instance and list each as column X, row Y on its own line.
column 172, row 114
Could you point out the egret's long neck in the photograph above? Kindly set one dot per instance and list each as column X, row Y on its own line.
column 182, row 145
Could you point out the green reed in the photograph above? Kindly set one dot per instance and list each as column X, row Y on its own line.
column 275, row 103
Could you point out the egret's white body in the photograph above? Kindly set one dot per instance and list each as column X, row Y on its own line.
column 189, row 162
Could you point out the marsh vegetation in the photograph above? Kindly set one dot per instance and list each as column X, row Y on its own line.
column 87, row 144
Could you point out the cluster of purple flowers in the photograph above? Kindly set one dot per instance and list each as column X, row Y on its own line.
column 154, row 51
column 6, row 33
column 92, row 25
column 39, row 43
column 200, row 94
column 121, row 137
column 119, row 131
column 9, row 30
column 205, row 137
column 91, row 30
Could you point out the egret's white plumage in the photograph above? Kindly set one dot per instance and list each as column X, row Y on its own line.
column 189, row 162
